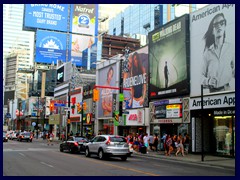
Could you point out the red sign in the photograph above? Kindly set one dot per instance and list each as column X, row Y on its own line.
column 132, row 117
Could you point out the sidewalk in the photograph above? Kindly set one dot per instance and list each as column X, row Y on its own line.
column 192, row 158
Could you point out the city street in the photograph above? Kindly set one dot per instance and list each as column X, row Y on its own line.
column 39, row 159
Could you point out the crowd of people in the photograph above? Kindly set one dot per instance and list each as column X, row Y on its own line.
column 176, row 144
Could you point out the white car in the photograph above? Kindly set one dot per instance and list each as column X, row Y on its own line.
column 108, row 146
column 13, row 135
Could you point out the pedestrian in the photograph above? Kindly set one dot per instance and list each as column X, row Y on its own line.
column 151, row 140
column 50, row 138
column 186, row 142
column 180, row 147
column 155, row 143
column 169, row 145
column 145, row 141
column 163, row 139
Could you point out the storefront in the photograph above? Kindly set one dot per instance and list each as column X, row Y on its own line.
column 169, row 116
column 134, row 121
column 218, row 122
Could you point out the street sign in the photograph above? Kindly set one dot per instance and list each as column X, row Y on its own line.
column 59, row 105
column 8, row 115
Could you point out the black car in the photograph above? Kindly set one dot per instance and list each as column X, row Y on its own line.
column 5, row 138
column 74, row 144
column 25, row 136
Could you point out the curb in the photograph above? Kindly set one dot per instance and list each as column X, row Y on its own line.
column 185, row 159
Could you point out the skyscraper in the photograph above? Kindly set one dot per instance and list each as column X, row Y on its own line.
column 18, row 48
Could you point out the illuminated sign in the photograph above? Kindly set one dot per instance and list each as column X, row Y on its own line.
column 173, row 111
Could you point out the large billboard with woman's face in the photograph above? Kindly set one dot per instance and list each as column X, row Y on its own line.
column 135, row 80
column 108, row 81
column 169, row 59
column 212, row 32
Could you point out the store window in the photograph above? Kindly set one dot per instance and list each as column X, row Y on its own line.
column 224, row 131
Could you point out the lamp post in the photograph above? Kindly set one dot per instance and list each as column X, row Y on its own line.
column 37, row 114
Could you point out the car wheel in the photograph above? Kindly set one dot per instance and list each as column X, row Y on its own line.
column 31, row 140
column 61, row 149
column 101, row 154
column 87, row 153
column 71, row 151
column 124, row 158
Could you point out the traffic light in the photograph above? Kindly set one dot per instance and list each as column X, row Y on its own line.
column 95, row 94
column 51, row 106
column 84, row 106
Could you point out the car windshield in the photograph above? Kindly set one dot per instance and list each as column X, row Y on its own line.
column 117, row 139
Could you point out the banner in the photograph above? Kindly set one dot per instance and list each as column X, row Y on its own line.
column 169, row 59
column 213, row 49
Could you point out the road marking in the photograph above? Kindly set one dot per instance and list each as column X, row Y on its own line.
column 28, row 149
column 108, row 164
column 47, row 164
column 22, row 154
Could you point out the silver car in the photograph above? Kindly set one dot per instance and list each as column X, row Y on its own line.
column 108, row 145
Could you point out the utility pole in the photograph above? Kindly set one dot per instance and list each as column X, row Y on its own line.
column 68, row 121
column 37, row 114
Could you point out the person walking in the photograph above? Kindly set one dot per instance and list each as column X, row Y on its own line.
column 180, row 147
column 186, row 142
column 155, row 143
column 146, row 141
column 151, row 140
column 50, row 138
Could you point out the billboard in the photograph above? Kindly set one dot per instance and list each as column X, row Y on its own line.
column 136, row 78
column 46, row 16
column 169, row 59
column 82, row 50
column 213, row 49
column 50, row 47
column 108, row 77
column 84, row 19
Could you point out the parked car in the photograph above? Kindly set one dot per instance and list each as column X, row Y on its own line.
column 74, row 144
column 108, row 145
column 5, row 138
column 25, row 136
column 13, row 135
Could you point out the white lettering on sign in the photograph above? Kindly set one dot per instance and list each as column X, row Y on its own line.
column 133, row 117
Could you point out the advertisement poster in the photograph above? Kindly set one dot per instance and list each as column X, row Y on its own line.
column 84, row 19
column 50, row 47
column 76, row 105
column 169, row 59
column 136, row 79
column 81, row 50
column 212, row 32
column 46, row 16
column 108, row 79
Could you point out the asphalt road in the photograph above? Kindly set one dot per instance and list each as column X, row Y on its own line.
column 39, row 159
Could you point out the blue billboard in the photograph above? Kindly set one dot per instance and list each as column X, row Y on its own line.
column 50, row 47
column 82, row 50
column 46, row 16
column 84, row 19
